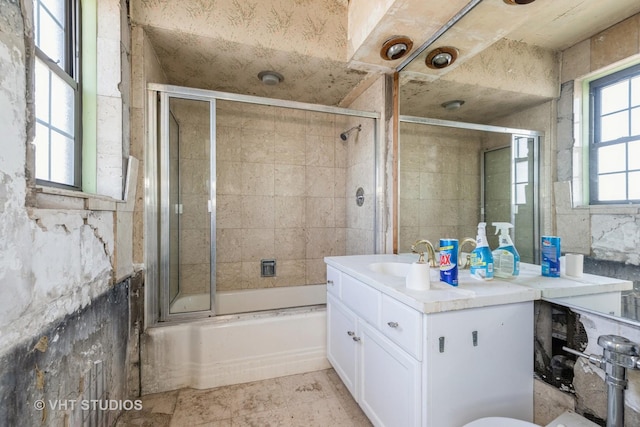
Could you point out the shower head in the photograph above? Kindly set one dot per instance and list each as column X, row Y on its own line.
column 344, row 135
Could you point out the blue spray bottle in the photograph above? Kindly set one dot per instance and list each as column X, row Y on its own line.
column 506, row 260
column 481, row 257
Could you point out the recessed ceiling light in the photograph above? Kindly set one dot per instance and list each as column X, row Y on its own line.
column 396, row 47
column 270, row 78
column 441, row 57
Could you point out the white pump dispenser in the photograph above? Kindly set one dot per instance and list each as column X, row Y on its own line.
column 506, row 260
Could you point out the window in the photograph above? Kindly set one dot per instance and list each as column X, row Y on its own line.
column 615, row 138
column 57, row 92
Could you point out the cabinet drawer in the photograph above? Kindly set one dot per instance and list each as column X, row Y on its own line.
column 333, row 281
column 402, row 325
column 361, row 298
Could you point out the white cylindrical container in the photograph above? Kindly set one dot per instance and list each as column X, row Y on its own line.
column 418, row 277
column 574, row 264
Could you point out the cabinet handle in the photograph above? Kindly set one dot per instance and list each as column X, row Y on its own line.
column 330, row 282
column 392, row 324
column 441, row 344
column 474, row 336
column 356, row 339
column 351, row 333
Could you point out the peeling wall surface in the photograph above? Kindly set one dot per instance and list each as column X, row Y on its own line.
column 614, row 230
column 608, row 236
column 589, row 380
column 61, row 313
column 580, row 385
column 68, row 366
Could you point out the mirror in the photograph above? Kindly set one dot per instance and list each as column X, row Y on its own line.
column 505, row 81
column 452, row 177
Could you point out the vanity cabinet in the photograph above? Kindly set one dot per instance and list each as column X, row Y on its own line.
column 382, row 378
column 479, row 363
column 407, row 368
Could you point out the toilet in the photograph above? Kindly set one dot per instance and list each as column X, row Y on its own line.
column 567, row 419
column 500, row 422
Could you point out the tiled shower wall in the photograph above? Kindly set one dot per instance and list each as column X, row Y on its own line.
column 281, row 194
column 439, row 183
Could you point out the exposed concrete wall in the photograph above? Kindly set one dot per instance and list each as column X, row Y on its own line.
column 579, row 383
column 61, row 253
column 145, row 68
column 609, row 233
column 72, row 361
column 609, row 236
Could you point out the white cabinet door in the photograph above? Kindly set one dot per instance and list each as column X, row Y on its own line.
column 479, row 363
column 341, row 346
column 389, row 389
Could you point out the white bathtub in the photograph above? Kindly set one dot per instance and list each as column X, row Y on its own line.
column 250, row 300
column 238, row 348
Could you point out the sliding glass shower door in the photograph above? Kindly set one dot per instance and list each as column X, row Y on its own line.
column 510, row 184
column 187, row 198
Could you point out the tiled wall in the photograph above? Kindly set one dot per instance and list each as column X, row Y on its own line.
column 439, row 183
column 362, row 172
column 286, row 187
column 281, row 193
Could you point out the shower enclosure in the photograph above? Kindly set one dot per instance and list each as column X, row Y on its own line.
column 245, row 196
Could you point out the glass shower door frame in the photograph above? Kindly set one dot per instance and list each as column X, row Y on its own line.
column 534, row 171
column 165, row 207
column 156, row 184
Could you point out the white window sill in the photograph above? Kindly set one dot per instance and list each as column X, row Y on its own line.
column 628, row 209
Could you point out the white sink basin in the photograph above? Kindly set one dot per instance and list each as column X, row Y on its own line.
column 399, row 269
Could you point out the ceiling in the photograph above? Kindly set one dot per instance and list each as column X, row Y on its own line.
column 508, row 59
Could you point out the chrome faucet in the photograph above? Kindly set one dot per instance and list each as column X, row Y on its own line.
column 467, row 263
column 431, row 253
column 619, row 354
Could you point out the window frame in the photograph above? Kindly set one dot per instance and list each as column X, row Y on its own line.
column 71, row 74
column 595, row 88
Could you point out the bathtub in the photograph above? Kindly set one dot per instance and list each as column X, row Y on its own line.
column 238, row 348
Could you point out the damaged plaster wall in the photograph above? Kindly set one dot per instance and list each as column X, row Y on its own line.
column 609, row 236
column 53, row 261
column 588, row 381
column 610, row 233
column 573, row 383
column 57, row 265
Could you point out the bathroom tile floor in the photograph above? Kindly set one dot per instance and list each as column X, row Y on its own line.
column 306, row 400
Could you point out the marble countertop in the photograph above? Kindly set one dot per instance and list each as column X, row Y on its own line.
column 567, row 286
column 470, row 292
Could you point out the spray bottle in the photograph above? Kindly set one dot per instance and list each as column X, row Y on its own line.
column 481, row 257
column 506, row 260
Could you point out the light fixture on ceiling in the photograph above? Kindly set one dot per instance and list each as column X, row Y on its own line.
column 452, row 105
column 270, row 78
column 396, row 47
column 441, row 57
column 518, row 2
